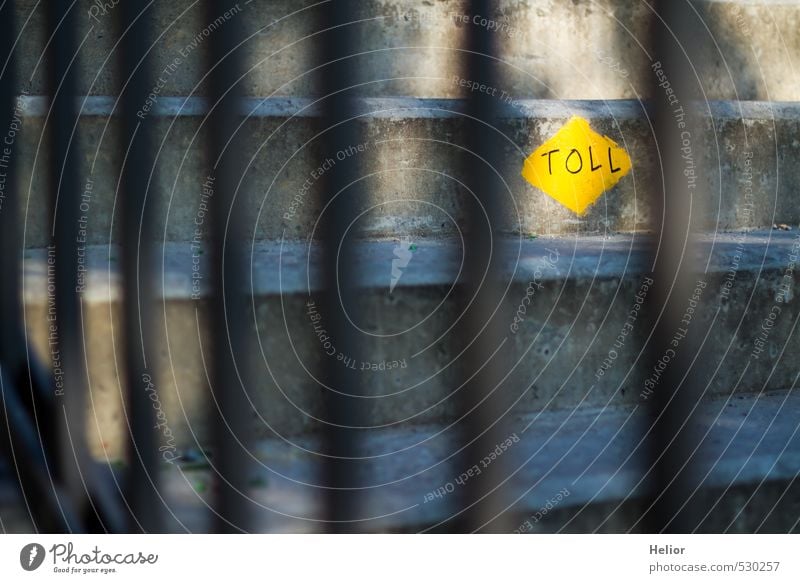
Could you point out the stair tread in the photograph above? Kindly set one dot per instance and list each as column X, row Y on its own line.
column 282, row 267
column 410, row 162
column 594, row 453
column 413, row 107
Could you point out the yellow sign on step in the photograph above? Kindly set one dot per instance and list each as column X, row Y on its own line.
column 576, row 165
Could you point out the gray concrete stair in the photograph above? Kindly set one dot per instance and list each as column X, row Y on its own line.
column 585, row 49
column 749, row 176
column 573, row 284
column 558, row 351
column 579, row 470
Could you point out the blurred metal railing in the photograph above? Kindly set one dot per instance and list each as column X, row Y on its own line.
column 482, row 394
column 139, row 265
column 44, row 425
column 671, row 441
column 43, row 430
column 339, row 85
column 231, row 376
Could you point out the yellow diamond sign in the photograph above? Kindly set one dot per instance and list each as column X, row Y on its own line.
column 576, row 165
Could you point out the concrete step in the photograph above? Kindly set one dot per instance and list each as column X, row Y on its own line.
column 579, row 470
column 598, row 49
column 747, row 170
column 569, row 316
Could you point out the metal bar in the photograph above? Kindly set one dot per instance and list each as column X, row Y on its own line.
column 482, row 396
column 10, row 240
column 139, row 267
column 30, row 429
column 38, row 402
column 66, row 329
column 231, row 377
column 671, row 441
column 343, row 404
column 21, row 443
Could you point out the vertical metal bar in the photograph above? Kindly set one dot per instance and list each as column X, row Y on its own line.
column 139, row 267
column 671, row 441
column 10, row 240
column 11, row 257
column 65, row 201
column 231, row 376
column 343, row 405
column 12, row 344
column 481, row 366
column 30, row 430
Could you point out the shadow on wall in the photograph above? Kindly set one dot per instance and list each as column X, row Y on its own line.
column 753, row 52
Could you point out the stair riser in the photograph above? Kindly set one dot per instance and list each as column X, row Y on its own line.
column 562, row 347
column 748, row 177
column 572, row 471
column 552, row 49
column 737, row 509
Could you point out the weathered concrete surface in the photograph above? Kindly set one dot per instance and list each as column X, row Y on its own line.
column 584, row 466
column 584, row 49
column 747, row 168
column 559, row 354
column 753, row 49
